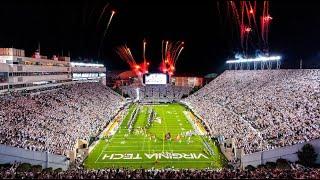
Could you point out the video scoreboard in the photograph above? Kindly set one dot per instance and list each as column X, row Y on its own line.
column 156, row 78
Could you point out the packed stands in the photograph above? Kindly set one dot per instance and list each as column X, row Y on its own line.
column 55, row 119
column 261, row 109
column 296, row 172
column 157, row 92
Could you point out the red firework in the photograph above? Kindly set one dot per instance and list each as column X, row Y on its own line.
column 125, row 54
column 145, row 65
column 244, row 15
column 265, row 24
column 170, row 55
column 107, row 27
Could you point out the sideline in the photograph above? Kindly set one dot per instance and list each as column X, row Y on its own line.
column 111, row 128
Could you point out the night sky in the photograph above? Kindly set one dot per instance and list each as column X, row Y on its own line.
column 63, row 26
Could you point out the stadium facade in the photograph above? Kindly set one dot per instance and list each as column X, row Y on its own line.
column 125, row 78
column 188, row 81
column 18, row 72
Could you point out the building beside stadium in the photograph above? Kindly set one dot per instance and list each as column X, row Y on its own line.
column 88, row 71
column 188, row 81
column 126, row 78
column 18, row 72
column 155, row 87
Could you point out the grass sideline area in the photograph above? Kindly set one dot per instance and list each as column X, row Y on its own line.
column 146, row 146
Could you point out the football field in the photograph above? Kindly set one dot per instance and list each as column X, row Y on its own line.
column 168, row 139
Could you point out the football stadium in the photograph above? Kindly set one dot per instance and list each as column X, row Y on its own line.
column 159, row 90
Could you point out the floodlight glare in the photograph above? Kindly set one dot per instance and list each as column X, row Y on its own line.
column 258, row 59
column 86, row 64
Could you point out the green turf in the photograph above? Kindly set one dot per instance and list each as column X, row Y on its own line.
column 139, row 148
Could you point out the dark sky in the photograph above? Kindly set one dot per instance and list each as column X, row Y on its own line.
column 65, row 25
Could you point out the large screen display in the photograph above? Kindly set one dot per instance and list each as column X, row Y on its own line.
column 156, row 78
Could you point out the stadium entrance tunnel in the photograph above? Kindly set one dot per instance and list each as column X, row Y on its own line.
column 79, row 152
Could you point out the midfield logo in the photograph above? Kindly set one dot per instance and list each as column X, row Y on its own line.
column 166, row 155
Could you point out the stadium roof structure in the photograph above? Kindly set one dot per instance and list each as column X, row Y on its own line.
column 211, row 75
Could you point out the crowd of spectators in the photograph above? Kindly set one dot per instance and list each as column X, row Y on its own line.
column 156, row 92
column 54, row 120
column 13, row 172
column 262, row 109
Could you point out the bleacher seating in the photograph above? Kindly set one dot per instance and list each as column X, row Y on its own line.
column 165, row 93
column 262, row 109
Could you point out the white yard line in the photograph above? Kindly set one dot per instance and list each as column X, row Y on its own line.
column 103, row 150
column 144, row 140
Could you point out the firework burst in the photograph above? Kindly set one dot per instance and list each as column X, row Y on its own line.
column 125, row 54
column 170, row 55
column 243, row 15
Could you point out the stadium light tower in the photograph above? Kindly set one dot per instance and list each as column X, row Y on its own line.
column 263, row 60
